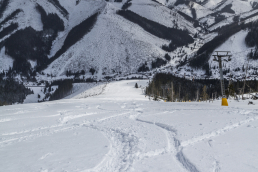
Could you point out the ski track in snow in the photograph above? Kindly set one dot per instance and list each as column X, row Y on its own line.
column 123, row 149
column 123, row 145
column 216, row 167
column 218, row 132
column 178, row 147
column 173, row 146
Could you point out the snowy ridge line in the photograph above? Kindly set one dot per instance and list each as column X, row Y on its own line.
column 60, row 8
column 220, row 4
column 218, row 132
column 254, row 18
column 59, row 40
column 139, row 27
column 227, row 21
column 7, row 36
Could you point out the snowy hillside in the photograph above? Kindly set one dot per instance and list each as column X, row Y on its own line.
column 239, row 50
column 105, row 51
column 47, row 38
column 136, row 47
column 84, row 90
column 122, row 130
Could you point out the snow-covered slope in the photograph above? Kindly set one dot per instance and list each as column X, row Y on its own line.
column 239, row 51
column 194, row 10
column 236, row 45
column 119, row 55
column 77, row 14
column 125, row 56
column 227, row 8
column 161, row 14
column 84, row 90
column 112, row 43
column 122, row 130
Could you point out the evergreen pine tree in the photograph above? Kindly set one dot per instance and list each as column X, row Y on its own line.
column 230, row 91
column 204, row 94
column 49, row 89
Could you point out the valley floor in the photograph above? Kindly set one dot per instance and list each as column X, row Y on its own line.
column 121, row 130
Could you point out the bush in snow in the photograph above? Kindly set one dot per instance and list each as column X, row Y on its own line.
column 64, row 87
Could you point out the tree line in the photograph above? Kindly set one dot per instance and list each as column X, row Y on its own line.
column 64, row 87
column 168, row 86
column 251, row 40
column 12, row 91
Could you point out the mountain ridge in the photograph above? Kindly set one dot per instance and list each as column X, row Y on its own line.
column 113, row 43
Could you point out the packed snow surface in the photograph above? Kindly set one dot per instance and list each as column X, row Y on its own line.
column 122, row 130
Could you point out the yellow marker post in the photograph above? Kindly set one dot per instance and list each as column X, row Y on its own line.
column 224, row 102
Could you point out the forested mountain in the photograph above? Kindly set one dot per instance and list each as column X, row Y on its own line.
column 48, row 39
